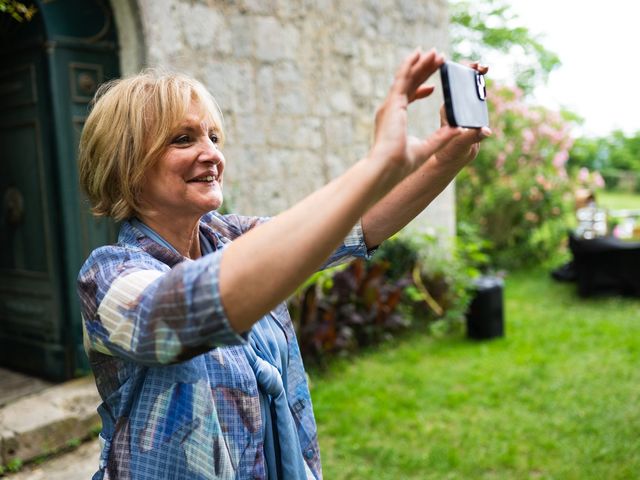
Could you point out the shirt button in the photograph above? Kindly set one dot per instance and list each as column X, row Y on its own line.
column 308, row 454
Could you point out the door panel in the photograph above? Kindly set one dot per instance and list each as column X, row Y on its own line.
column 49, row 70
column 23, row 212
column 31, row 319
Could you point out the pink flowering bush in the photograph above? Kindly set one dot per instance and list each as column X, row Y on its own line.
column 516, row 192
column 588, row 179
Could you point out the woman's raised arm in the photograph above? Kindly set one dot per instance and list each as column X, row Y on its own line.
column 264, row 266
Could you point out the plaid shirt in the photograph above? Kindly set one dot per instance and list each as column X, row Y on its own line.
column 180, row 400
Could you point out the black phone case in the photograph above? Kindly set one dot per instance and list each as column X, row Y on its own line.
column 464, row 96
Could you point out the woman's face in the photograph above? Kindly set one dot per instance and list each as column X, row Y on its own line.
column 187, row 179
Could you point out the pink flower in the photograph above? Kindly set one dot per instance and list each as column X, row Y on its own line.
column 509, row 147
column 528, row 139
column 560, row 158
column 516, row 91
column 528, row 136
column 535, row 116
column 502, row 157
column 583, row 175
column 598, row 180
column 531, row 217
column 543, row 182
column 557, row 136
column 546, row 130
column 535, row 194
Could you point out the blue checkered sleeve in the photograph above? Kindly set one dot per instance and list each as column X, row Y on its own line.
column 352, row 247
column 138, row 308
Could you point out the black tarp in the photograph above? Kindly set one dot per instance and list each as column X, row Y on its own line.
column 606, row 265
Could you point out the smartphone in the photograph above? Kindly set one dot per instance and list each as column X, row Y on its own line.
column 465, row 96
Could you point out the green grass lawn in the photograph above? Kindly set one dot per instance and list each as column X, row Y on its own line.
column 557, row 398
column 618, row 200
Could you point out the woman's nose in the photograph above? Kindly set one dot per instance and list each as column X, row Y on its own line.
column 210, row 152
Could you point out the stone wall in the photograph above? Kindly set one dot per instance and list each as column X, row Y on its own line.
column 298, row 82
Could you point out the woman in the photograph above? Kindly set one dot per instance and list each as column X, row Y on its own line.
column 192, row 349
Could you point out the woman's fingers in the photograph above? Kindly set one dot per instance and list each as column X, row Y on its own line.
column 423, row 91
column 470, row 136
column 403, row 74
column 426, row 66
column 414, row 71
column 443, row 116
column 483, row 69
column 435, row 142
column 477, row 133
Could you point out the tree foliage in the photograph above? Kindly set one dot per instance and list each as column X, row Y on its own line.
column 19, row 11
column 615, row 151
column 481, row 28
column 616, row 156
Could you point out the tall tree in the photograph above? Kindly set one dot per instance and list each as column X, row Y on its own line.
column 491, row 26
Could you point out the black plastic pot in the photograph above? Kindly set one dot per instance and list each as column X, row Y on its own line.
column 485, row 317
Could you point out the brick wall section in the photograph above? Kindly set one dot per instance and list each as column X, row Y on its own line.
column 298, row 83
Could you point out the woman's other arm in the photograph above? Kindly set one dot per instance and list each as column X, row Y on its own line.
column 264, row 266
column 418, row 190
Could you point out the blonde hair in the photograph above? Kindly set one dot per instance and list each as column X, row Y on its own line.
column 128, row 129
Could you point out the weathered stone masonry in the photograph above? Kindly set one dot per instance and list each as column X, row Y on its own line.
column 298, row 82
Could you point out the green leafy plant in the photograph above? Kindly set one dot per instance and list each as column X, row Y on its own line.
column 14, row 465
column 353, row 311
column 410, row 283
column 74, row 442
column 443, row 279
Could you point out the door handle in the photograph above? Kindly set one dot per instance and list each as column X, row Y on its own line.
column 13, row 206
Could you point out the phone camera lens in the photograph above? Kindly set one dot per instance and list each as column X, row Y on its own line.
column 481, row 86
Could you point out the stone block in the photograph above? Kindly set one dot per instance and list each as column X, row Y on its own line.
column 47, row 421
column 205, row 28
column 265, row 85
column 287, row 74
column 260, row 7
column 274, row 40
column 241, row 27
column 250, row 130
column 339, row 131
column 291, row 101
column 163, row 29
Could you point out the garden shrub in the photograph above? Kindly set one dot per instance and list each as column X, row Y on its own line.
column 410, row 283
column 517, row 191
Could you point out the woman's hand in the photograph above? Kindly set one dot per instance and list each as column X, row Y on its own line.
column 464, row 148
column 391, row 143
column 450, row 150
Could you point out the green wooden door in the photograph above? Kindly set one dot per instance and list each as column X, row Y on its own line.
column 48, row 75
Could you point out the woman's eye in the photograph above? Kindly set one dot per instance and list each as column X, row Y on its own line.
column 181, row 140
column 214, row 137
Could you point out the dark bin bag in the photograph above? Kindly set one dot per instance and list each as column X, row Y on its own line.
column 485, row 317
